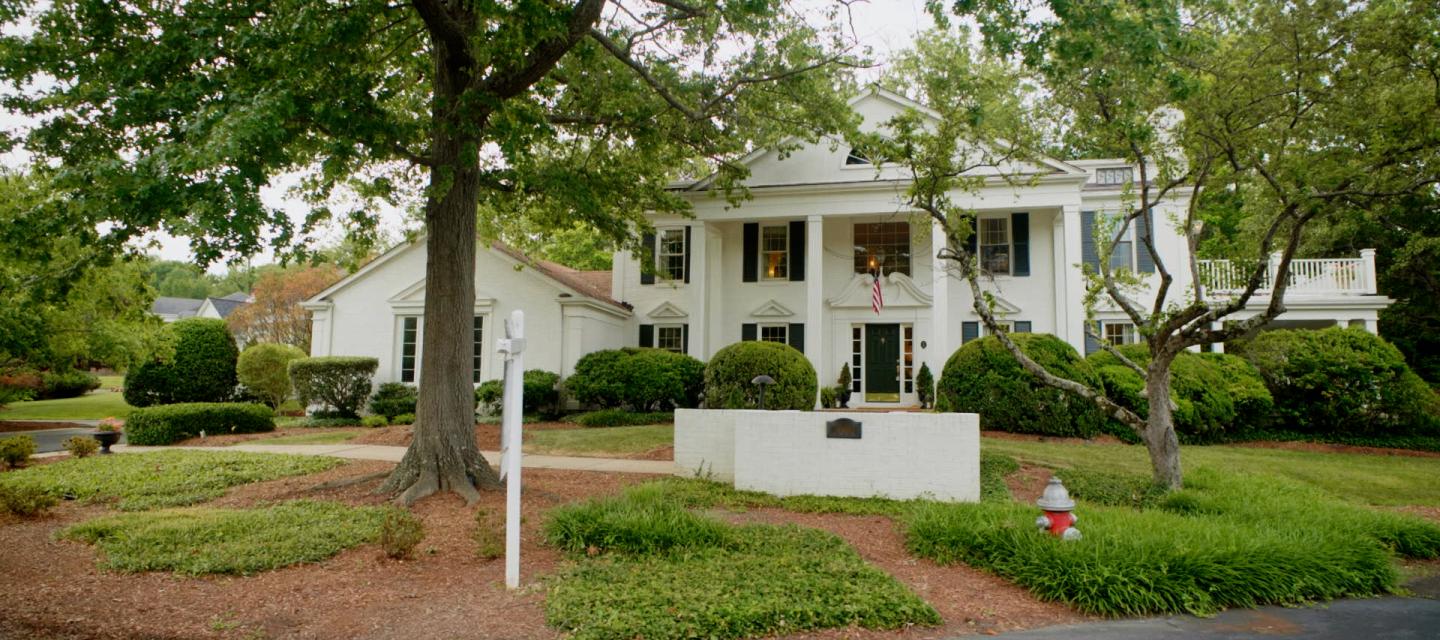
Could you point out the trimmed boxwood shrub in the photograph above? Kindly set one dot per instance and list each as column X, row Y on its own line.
column 202, row 368
column 1346, row 382
column 541, row 394
column 728, row 376
column 264, row 370
column 66, row 384
column 175, row 422
column 622, row 418
column 393, row 399
column 641, row 379
column 339, row 382
column 982, row 377
column 1204, row 387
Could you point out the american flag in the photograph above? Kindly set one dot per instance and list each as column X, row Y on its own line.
column 877, row 299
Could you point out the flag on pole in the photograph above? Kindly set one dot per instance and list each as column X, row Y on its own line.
column 877, row 299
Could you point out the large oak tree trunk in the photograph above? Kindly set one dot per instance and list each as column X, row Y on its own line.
column 443, row 454
column 1160, row 438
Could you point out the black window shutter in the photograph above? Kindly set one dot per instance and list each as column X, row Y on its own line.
column 647, row 335
column 1022, row 326
column 1091, row 343
column 747, row 332
column 1143, row 262
column 647, row 259
column 685, row 338
column 797, row 336
column 969, row 331
column 1088, row 253
column 797, row 251
column 1020, row 229
column 975, row 235
column 687, row 254
column 750, row 267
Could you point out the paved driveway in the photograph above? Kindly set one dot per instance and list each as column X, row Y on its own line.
column 48, row 440
column 1373, row 619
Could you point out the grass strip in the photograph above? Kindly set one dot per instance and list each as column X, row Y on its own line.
column 139, row 481
column 200, row 540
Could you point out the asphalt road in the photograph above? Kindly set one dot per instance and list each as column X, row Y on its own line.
column 1388, row 618
column 47, row 440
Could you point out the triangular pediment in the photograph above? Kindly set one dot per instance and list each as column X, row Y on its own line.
column 897, row 289
column 667, row 311
column 772, row 309
column 1004, row 307
column 412, row 293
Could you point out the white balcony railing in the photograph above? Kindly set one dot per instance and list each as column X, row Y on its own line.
column 1308, row 277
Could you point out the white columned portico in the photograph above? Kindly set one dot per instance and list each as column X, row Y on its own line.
column 1070, row 282
column 940, row 349
column 815, row 350
column 700, row 302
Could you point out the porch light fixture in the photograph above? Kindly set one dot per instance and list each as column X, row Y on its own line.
column 762, row 381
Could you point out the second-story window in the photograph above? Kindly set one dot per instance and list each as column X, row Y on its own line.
column 1123, row 257
column 882, row 247
column 670, row 254
column 1113, row 175
column 995, row 245
column 775, row 252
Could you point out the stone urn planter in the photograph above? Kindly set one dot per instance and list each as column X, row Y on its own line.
column 106, row 438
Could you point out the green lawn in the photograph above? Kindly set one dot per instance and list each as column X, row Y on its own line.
column 601, row 441
column 96, row 405
column 1368, row 479
column 326, row 436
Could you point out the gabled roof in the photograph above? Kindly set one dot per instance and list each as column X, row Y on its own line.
column 228, row 304
column 179, row 307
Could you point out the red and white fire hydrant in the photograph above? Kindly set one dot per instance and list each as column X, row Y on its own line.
column 1058, row 518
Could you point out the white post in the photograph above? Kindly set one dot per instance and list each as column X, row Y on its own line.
column 1367, row 257
column 816, row 347
column 512, row 347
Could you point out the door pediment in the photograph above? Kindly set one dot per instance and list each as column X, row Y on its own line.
column 897, row 288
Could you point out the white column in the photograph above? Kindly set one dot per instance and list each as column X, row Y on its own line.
column 1367, row 257
column 1218, row 347
column 940, row 320
column 714, row 318
column 699, row 289
column 1069, row 271
column 815, row 346
column 1058, row 278
column 1372, row 325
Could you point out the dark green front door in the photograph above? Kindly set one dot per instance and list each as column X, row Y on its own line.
column 882, row 363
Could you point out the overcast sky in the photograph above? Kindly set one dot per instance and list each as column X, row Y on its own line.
column 885, row 26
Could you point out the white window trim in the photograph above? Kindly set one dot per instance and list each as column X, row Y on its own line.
column 400, row 346
column 486, row 328
column 671, row 325
column 1128, row 334
column 660, row 272
column 782, row 326
column 1128, row 171
column 764, row 277
column 1130, row 237
column 909, row 245
column 1009, row 243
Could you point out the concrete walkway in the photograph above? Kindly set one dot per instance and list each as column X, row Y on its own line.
column 393, row 454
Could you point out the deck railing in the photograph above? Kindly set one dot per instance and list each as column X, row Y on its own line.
column 1307, row 277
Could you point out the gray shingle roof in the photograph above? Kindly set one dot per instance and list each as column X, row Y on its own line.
column 179, row 307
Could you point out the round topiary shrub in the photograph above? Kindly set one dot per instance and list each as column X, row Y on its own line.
column 728, row 376
column 264, row 369
column 1346, row 382
column 201, row 369
column 599, row 378
column 339, row 382
column 1204, row 388
column 642, row 379
column 394, row 399
column 982, row 377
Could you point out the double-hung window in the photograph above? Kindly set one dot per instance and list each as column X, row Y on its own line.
column 477, row 349
column 409, row 347
column 995, row 248
column 1123, row 255
column 670, row 337
column 775, row 252
column 670, row 253
column 882, row 248
column 775, row 333
column 1119, row 333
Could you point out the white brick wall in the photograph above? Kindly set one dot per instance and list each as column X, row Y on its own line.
column 900, row 455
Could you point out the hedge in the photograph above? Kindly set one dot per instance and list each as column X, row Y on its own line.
column 393, row 399
column 175, row 422
column 340, row 382
column 1217, row 396
column 264, row 370
column 640, row 379
column 202, row 368
column 66, row 384
column 982, row 377
column 540, row 395
column 1342, row 382
column 728, row 377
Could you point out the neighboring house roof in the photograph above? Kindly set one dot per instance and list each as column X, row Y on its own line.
column 238, row 296
column 590, row 284
column 178, row 307
column 228, row 304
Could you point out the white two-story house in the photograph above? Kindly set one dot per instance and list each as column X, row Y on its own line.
column 796, row 263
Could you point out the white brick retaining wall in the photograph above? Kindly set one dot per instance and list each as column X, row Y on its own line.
column 899, row 455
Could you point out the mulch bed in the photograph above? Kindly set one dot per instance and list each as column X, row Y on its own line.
column 487, row 437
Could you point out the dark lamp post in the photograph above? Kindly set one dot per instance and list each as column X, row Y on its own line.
column 762, row 381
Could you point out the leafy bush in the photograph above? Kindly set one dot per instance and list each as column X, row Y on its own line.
column 400, row 533
column 81, row 446
column 67, row 384
column 829, row 397
column 1342, row 382
column 25, row 501
column 982, row 377
column 488, row 396
column 1203, row 387
column 264, row 369
column 925, row 386
column 15, row 451
column 641, row 520
column 172, row 423
column 393, row 399
column 404, row 418
column 202, row 368
column 9, row 395
column 339, row 382
column 374, row 421
column 728, row 376
column 622, row 418
column 540, row 395
column 641, row 379
column 24, row 384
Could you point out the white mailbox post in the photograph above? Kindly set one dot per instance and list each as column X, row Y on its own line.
column 512, row 347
